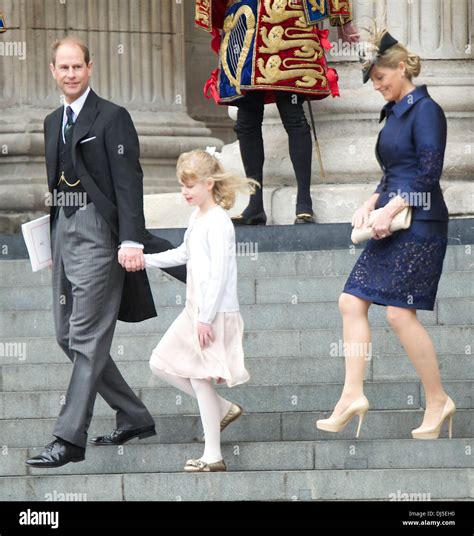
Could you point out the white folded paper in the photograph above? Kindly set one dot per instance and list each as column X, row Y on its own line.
column 38, row 242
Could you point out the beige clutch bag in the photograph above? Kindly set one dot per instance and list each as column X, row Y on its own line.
column 401, row 221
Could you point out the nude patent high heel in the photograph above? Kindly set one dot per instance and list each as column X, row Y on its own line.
column 433, row 432
column 336, row 424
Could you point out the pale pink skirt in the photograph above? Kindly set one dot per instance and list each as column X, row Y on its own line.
column 180, row 354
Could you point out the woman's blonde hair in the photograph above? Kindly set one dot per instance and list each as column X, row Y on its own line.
column 392, row 57
column 200, row 165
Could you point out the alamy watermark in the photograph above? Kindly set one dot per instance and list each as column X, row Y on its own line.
column 351, row 349
column 31, row 517
column 414, row 199
column 400, row 495
column 66, row 199
column 13, row 49
column 13, row 349
column 246, row 249
column 361, row 49
column 58, row 496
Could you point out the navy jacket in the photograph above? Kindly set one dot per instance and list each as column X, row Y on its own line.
column 410, row 150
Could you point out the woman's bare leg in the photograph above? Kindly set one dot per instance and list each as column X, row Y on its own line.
column 419, row 347
column 357, row 340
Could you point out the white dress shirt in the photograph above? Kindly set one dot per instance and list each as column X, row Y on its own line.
column 209, row 247
column 77, row 106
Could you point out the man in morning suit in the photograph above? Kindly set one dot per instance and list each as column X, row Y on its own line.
column 98, row 238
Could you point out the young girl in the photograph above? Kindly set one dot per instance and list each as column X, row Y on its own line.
column 205, row 341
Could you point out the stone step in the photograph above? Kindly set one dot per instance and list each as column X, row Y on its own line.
column 269, row 264
column 294, row 289
column 304, row 343
column 254, row 398
column 253, row 427
column 248, row 456
column 382, row 484
column 448, row 311
column 262, row 370
column 306, row 289
column 166, row 293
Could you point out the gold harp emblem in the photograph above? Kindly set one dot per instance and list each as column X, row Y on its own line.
column 236, row 44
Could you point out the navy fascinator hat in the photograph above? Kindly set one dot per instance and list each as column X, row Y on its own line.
column 371, row 57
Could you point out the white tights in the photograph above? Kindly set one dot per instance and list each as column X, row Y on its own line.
column 212, row 407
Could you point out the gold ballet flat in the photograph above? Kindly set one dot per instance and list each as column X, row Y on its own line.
column 198, row 466
column 336, row 424
column 235, row 411
column 433, row 432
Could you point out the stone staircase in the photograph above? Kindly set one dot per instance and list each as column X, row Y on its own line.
column 293, row 344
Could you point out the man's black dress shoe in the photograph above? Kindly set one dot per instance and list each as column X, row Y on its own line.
column 257, row 219
column 119, row 437
column 57, row 454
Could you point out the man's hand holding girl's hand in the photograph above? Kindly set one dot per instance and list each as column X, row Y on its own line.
column 132, row 259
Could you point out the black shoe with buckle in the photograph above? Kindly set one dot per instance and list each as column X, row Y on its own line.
column 305, row 217
column 119, row 437
column 57, row 454
column 259, row 218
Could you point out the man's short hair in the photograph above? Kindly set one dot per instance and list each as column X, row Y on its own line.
column 73, row 41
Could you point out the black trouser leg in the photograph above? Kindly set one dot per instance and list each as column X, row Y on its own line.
column 249, row 133
column 290, row 106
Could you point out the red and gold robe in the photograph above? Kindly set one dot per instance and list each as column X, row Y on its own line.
column 270, row 45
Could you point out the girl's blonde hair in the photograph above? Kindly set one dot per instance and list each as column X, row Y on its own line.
column 392, row 57
column 200, row 165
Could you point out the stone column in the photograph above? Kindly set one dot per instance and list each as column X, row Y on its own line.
column 138, row 50
column 441, row 32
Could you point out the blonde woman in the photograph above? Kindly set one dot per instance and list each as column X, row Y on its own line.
column 401, row 270
column 204, row 343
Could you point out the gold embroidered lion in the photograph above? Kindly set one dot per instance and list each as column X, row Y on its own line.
column 339, row 4
column 309, row 72
column 202, row 11
column 274, row 42
column 277, row 12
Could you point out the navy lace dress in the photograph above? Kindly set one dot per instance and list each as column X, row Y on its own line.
column 404, row 269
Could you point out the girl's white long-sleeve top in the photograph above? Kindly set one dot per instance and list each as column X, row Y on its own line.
column 210, row 250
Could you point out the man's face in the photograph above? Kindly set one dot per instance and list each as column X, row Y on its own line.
column 71, row 71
